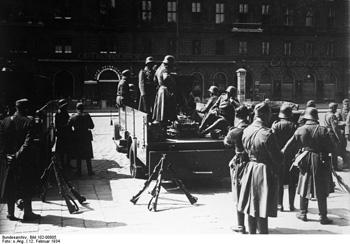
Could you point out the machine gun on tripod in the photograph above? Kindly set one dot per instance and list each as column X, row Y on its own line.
column 158, row 169
column 65, row 188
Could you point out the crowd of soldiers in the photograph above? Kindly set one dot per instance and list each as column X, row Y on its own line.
column 302, row 155
column 20, row 169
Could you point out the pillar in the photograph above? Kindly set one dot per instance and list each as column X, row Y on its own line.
column 241, row 81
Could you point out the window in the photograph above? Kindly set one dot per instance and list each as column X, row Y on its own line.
column 220, row 47
column 331, row 17
column 265, row 48
column 63, row 46
column 242, row 47
column 243, row 12
column 58, row 49
column 288, row 17
column 219, row 13
column 196, row 47
column 309, row 49
column 108, row 46
column 171, row 12
column 243, row 8
column 265, row 9
column 196, row 7
column 287, row 48
column 146, row 11
column 309, row 18
column 172, row 46
column 330, row 49
column 62, row 10
column 196, row 11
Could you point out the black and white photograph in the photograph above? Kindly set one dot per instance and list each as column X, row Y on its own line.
column 198, row 118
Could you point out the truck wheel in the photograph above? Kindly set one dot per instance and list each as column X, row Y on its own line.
column 136, row 168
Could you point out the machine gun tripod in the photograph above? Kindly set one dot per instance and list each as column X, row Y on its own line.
column 158, row 169
column 65, row 188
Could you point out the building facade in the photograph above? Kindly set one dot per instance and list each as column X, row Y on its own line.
column 292, row 49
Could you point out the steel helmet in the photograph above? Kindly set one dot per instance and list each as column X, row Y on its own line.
column 311, row 103
column 261, row 109
column 149, row 60
column 333, row 105
column 213, row 89
column 126, row 73
column 285, row 111
column 311, row 113
column 169, row 59
column 231, row 89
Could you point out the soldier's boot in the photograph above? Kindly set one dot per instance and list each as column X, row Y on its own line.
column 28, row 211
column 89, row 167
column 280, row 197
column 262, row 224
column 11, row 210
column 291, row 196
column 240, row 224
column 78, row 172
column 304, row 203
column 322, row 208
column 252, row 225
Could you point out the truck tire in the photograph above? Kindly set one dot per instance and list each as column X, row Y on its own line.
column 136, row 168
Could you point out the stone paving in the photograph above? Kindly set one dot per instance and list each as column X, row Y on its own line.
column 108, row 209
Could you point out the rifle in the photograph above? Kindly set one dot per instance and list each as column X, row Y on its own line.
column 135, row 198
column 340, row 180
column 181, row 185
column 152, row 205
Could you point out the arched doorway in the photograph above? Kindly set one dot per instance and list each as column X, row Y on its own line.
column 220, row 80
column 108, row 78
column 63, row 84
column 198, row 87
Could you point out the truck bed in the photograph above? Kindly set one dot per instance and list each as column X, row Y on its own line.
column 187, row 144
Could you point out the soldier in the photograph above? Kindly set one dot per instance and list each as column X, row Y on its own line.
column 82, row 124
column 165, row 109
column 214, row 95
column 63, row 134
column 345, row 109
column 334, row 128
column 123, row 93
column 313, row 163
column 147, row 86
column 258, row 196
column 284, row 129
column 222, row 113
column 20, row 176
column 239, row 161
column 310, row 103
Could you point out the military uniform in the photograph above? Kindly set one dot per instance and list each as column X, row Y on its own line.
column 82, row 136
column 123, row 93
column 237, row 165
column 315, row 175
column 147, row 88
column 210, row 103
column 284, row 130
column 258, row 196
column 165, row 101
column 21, row 177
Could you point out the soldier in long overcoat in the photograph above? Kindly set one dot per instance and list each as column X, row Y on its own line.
column 239, row 161
column 334, row 127
column 214, row 95
column 123, row 91
column 165, row 107
column 82, row 124
column 284, row 129
column 63, row 134
column 147, row 86
column 258, row 196
column 20, row 177
column 314, row 163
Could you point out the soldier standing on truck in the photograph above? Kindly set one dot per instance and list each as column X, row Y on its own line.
column 165, row 110
column 147, row 86
column 123, row 93
column 239, row 161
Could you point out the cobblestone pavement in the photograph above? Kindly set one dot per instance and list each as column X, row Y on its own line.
column 108, row 208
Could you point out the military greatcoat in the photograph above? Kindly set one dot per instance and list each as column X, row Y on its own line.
column 63, row 132
column 239, row 161
column 19, row 179
column 314, row 177
column 82, row 136
column 165, row 102
column 123, row 93
column 147, row 88
column 259, row 191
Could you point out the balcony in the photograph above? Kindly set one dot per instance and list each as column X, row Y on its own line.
column 247, row 27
